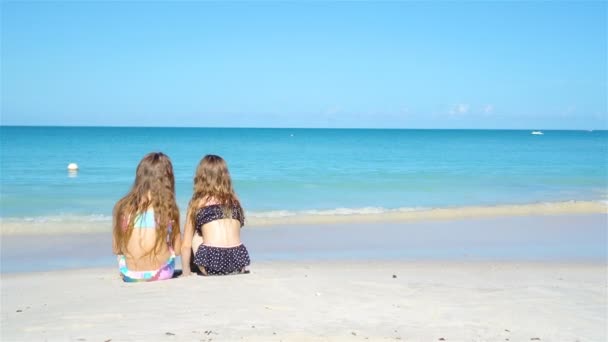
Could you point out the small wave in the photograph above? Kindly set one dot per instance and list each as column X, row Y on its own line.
column 58, row 219
column 329, row 212
column 103, row 223
column 271, row 214
column 405, row 214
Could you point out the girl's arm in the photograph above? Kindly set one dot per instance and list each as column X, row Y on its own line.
column 186, row 245
column 121, row 224
column 115, row 248
column 177, row 242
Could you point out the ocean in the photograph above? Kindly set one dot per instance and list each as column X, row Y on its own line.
column 288, row 172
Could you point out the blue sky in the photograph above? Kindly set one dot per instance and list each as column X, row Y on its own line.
column 324, row 64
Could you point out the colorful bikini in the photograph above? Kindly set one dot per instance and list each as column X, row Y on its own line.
column 147, row 221
column 220, row 260
column 164, row 273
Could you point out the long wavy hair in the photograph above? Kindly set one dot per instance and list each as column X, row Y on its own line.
column 154, row 187
column 212, row 183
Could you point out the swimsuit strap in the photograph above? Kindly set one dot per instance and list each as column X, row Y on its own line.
column 214, row 212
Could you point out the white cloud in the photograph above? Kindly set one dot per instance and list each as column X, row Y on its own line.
column 488, row 109
column 459, row 109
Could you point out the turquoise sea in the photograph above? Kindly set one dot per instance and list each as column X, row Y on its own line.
column 289, row 171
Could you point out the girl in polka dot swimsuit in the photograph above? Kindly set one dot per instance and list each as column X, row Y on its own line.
column 212, row 232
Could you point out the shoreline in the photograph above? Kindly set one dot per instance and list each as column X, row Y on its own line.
column 318, row 301
column 517, row 278
column 84, row 224
column 550, row 238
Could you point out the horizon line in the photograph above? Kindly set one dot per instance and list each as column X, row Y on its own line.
column 320, row 128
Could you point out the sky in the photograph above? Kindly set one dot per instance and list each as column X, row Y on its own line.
column 529, row 65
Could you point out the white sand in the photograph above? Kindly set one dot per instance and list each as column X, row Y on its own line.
column 281, row 301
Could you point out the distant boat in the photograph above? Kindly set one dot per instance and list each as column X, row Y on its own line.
column 537, row 133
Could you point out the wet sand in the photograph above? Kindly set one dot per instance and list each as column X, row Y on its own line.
column 513, row 238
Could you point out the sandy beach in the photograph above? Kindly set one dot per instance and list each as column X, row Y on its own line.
column 321, row 301
column 422, row 171
column 537, row 278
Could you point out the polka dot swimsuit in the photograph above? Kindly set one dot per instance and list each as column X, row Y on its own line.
column 220, row 260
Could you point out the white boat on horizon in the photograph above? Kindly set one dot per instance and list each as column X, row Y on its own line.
column 537, row 133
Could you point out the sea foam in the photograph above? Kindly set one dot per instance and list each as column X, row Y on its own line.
column 63, row 224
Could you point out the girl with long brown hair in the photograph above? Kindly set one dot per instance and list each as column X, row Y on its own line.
column 213, row 225
column 146, row 223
